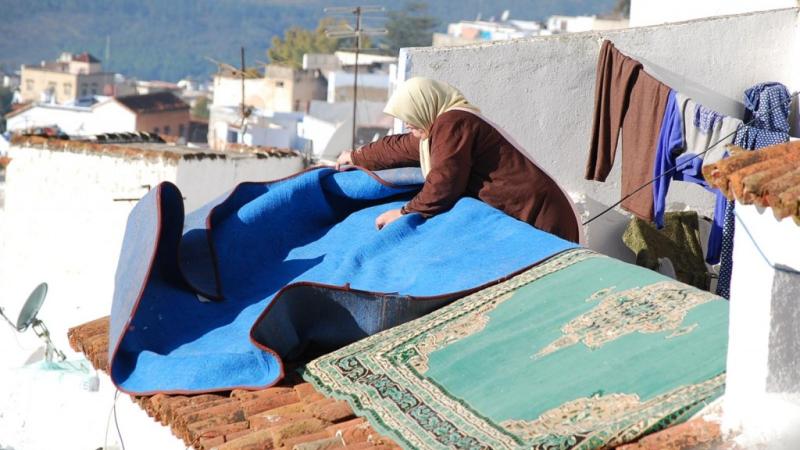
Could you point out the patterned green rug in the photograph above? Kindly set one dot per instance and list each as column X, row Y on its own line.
column 581, row 351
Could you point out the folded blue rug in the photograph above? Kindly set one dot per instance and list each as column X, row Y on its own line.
column 216, row 299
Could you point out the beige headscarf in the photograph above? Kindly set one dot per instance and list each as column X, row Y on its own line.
column 419, row 101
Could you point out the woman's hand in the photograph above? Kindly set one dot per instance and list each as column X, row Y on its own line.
column 344, row 158
column 387, row 218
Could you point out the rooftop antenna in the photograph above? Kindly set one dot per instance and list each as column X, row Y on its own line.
column 358, row 32
column 243, row 110
column 27, row 319
column 108, row 50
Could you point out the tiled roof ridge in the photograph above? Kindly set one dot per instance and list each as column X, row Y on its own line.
column 769, row 177
column 121, row 150
column 294, row 415
column 154, row 102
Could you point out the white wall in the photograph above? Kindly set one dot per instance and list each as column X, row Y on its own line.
column 762, row 395
column 61, row 225
column 228, row 92
column 203, row 180
column 73, row 121
column 541, row 89
column 110, row 117
column 319, row 132
column 652, row 12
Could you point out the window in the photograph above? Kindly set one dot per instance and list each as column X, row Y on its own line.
column 155, row 130
column 167, row 130
column 67, row 88
column 94, row 88
column 84, row 89
column 181, row 130
column 28, row 85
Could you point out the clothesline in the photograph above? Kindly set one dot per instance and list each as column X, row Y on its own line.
column 681, row 165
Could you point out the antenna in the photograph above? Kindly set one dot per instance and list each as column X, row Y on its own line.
column 245, row 112
column 356, row 32
column 108, row 50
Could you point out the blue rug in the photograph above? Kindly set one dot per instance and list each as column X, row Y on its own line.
column 216, row 299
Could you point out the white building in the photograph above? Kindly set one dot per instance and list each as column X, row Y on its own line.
column 653, row 12
column 577, row 24
column 474, row 31
column 261, row 128
column 329, row 126
column 160, row 113
column 72, row 120
column 372, row 86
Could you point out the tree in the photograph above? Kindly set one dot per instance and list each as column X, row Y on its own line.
column 200, row 108
column 6, row 95
column 298, row 41
column 623, row 7
column 409, row 27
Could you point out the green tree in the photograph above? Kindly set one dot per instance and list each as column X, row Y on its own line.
column 200, row 108
column 623, row 7
column 6, row 95
column 409, row 27
column 298, row 41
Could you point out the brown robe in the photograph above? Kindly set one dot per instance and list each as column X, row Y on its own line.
column 469, row 157
column 629, row 98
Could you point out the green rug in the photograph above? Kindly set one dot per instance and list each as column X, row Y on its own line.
column 581, row 351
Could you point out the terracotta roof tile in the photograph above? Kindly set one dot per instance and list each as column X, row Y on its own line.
column 155, row 102
column 696, row 433
column 293, row 415
column 144, row 151
column 769, row 177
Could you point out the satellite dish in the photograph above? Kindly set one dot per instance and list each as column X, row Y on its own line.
column 27, row 319
column 31, row 308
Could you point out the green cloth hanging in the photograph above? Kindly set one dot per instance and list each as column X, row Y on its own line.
column 679, row 241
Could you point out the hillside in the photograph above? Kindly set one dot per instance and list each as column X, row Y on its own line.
column 156, row 39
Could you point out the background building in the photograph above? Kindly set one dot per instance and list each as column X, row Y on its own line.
column 64, row 80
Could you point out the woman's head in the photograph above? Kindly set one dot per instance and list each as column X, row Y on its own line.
column 418, row 101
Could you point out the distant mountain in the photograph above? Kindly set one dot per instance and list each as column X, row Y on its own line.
column 169, row 39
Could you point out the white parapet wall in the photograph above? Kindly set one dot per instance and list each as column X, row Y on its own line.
column 762, row 395
column 541, row 90
column 63, row 222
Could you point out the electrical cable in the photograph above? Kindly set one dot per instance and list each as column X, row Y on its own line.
column 113, row 412
column 116, row 423
column 776, row 267
column 683, row 164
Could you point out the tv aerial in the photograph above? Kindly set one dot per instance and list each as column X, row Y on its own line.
column 27, row 319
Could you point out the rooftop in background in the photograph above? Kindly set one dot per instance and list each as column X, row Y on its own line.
column 157, row 102
column 83, row 63
column 84, row 57
column 146, row 145
column 473, row 31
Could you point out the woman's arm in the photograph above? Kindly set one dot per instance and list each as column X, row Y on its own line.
column 397, row 150
column 452, row 144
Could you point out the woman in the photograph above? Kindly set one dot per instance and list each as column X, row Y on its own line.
column 461, row 154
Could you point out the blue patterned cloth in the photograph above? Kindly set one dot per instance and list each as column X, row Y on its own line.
column 767, row 119
column 706, row 119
